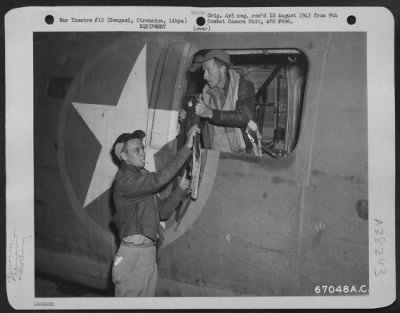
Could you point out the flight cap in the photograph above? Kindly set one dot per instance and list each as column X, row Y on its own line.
column 212, row 54
column 124, row 138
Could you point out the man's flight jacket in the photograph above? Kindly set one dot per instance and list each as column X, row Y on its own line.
column 138, row 209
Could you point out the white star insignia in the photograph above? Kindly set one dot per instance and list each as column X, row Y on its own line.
column 107, row 122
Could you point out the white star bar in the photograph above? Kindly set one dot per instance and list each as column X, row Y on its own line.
column 107, row 122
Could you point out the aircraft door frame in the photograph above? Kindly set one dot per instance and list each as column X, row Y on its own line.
column 162, row 124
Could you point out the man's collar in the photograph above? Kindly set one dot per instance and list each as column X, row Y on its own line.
column 226, row 85
column 228, row 80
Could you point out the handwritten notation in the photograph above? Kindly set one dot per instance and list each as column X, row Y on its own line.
column 16, row 256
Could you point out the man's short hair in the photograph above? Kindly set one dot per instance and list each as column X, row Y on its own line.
column 122, row 139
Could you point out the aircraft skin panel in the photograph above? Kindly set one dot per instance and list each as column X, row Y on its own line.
column 74, row 267
column 107, row 122
column 210, row 161
column 334, row 238
column 56, row 218
column 96, row 275
column 244, row 244
column 52, row 203
column 163, row 124
column 334, row 234
column 102, row 82
column 165, row 128
column 259, row 227
column 352, row 244
column 341, row 129
column 87, row 142
column 76, row 134
column 172, row 288
column 173, row 66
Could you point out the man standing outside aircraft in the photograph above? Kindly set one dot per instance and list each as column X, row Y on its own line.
column 228, row 104
column 139, row 211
